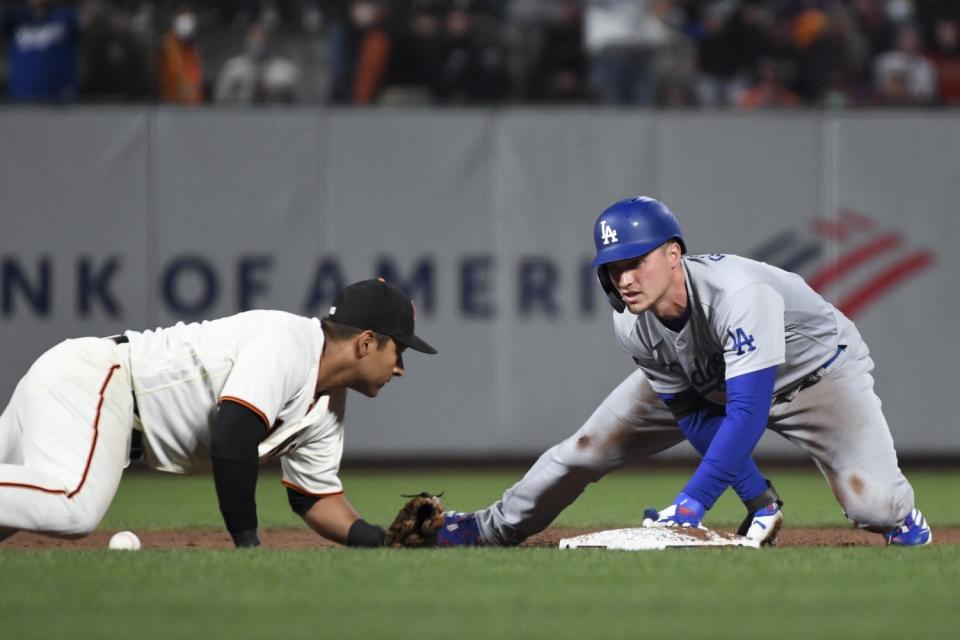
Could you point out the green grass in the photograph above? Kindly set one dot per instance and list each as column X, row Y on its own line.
column 484, row 593
column 162, row 501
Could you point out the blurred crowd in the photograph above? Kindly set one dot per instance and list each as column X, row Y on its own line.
column 661, row 53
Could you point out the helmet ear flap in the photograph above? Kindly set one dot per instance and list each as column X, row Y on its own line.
column 613, row 296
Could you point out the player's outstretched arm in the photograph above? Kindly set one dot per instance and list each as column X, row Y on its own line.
column 334, row 518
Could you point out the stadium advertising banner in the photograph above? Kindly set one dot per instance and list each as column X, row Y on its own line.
column 117, row 219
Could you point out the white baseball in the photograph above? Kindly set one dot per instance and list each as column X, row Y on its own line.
column 125, row 540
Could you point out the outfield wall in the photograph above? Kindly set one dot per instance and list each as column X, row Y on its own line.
column 116, row 218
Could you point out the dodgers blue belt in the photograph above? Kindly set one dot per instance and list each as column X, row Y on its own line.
column 791, row 392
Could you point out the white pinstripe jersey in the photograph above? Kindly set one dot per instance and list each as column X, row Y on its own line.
column 745, row 316
column 265, row 360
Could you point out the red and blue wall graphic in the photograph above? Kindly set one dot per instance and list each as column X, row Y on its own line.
column 851, row 260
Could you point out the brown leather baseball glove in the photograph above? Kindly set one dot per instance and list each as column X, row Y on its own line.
column 417, row 522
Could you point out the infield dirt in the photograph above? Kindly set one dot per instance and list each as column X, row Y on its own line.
column 305, row 539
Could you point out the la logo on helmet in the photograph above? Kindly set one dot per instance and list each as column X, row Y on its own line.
column 607, row 233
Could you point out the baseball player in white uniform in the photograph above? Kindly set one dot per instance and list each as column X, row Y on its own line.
column 726, row 347
column 228, row 394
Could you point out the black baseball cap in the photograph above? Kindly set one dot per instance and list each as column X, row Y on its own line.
column 378, row 306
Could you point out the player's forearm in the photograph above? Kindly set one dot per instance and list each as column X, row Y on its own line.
column 701, row 427
column 332, row 517
column 747, row 413
column 233, row 453
column 236, row 484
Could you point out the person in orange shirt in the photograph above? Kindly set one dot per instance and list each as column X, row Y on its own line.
column 770, row 89
column 180, row 66
column 369, row 17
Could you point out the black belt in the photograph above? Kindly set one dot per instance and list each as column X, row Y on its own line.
column 136, row 446
column 125, row 340
column 136, row 437
column 791, row 392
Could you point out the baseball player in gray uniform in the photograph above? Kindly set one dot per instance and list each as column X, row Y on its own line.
column 226, row 394
column 726, row 347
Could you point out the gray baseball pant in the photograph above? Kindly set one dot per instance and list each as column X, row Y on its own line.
column 837, row 421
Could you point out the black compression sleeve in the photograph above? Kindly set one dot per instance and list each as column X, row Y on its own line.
column 236, row 432
column 236, row 484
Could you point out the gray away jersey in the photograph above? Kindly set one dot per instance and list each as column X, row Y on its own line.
column 745, row 316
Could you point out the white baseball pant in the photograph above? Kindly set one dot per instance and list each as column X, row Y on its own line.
column 65, row 439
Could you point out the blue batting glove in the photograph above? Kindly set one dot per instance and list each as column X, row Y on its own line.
column 684, row 512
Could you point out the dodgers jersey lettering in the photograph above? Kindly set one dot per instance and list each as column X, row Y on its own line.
column 745, row 316
column 266, row 361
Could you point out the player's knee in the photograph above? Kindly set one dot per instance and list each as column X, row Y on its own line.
column 68, row 528
column 80, row 528
column 875, row 504
column 875, row 519
column 585, row 453
column 78, row 521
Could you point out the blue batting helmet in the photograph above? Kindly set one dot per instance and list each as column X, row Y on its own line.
column 629, row 229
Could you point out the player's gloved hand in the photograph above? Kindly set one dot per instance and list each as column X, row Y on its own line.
column 417, row 523
column 245, row 539
column 684, row 512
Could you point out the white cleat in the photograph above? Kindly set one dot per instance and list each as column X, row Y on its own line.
column 766, row 524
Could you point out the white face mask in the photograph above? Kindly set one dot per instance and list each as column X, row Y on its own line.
column 184, row 26
column 899, row 10
column 364, row 14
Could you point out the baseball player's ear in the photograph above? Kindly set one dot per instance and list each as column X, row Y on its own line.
column 366, row 341
column 673, row 251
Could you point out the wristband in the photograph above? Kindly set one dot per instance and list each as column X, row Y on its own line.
column 364, row 534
